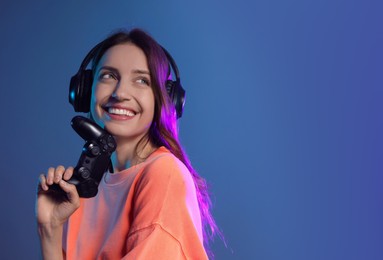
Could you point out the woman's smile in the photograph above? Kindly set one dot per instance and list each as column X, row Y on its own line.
column 119, row 112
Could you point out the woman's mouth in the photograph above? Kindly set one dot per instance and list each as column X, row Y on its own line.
column 120, row 113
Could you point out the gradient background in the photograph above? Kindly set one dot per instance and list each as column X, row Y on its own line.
column 283, row 115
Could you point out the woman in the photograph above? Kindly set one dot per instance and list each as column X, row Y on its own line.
column 155, row 206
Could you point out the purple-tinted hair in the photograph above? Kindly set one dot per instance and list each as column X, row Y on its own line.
column 163, row 130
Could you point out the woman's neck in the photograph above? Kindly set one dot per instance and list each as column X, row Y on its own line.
column 131, row 153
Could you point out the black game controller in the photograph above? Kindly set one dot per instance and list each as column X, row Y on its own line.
column 94, row 159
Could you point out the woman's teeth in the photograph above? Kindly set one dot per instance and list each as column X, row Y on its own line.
column 119, row 111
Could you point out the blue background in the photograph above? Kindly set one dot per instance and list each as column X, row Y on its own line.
column 283, row 115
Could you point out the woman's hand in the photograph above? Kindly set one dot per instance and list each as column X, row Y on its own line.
column 54, row 208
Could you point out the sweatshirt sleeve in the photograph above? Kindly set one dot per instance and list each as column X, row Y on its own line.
column 166, row 222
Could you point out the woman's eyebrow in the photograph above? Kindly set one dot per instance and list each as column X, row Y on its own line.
column 114, row 70
column 138, row 71
column 109, row 68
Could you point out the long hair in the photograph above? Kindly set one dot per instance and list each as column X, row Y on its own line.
column 163, row 130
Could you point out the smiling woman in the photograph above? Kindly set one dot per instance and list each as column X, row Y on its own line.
column 155, row 205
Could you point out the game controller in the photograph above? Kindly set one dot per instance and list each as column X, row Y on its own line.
column 95, row 157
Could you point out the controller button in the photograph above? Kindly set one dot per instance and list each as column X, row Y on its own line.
column 95, row 150
column 84, row 172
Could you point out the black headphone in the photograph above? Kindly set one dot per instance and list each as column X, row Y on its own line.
column 80, row 89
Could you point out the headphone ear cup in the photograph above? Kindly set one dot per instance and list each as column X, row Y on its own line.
column 170, row 89
column 177, row 96
column 80, row 90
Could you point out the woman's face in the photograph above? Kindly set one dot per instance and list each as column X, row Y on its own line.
column 122, row 96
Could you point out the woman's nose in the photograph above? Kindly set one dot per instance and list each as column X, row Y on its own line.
column 122, row 91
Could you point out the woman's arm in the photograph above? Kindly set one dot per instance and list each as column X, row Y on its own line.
column 51, row 241
column 53, row 210
column 166, row 218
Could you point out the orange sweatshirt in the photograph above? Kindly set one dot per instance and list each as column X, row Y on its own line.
column 149, row 211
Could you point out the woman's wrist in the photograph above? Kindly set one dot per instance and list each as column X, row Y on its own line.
column 51, row 241
column 49, row 230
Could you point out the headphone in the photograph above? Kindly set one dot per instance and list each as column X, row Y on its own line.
column 80, row 89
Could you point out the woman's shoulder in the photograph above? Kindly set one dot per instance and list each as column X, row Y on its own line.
column 163, row 160
column 164, row 167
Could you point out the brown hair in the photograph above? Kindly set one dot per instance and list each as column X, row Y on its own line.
column 163, row 130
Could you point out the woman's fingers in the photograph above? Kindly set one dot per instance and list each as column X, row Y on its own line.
column 71, row 193
column 58, row 174
column 43, row 182
column 68, row 173
column 54, row 175
column 50, row 175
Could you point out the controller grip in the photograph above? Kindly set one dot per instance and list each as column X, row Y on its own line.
column 87, row 128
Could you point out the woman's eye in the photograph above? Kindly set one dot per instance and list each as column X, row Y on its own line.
column 107, row 75
column 144, row 81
